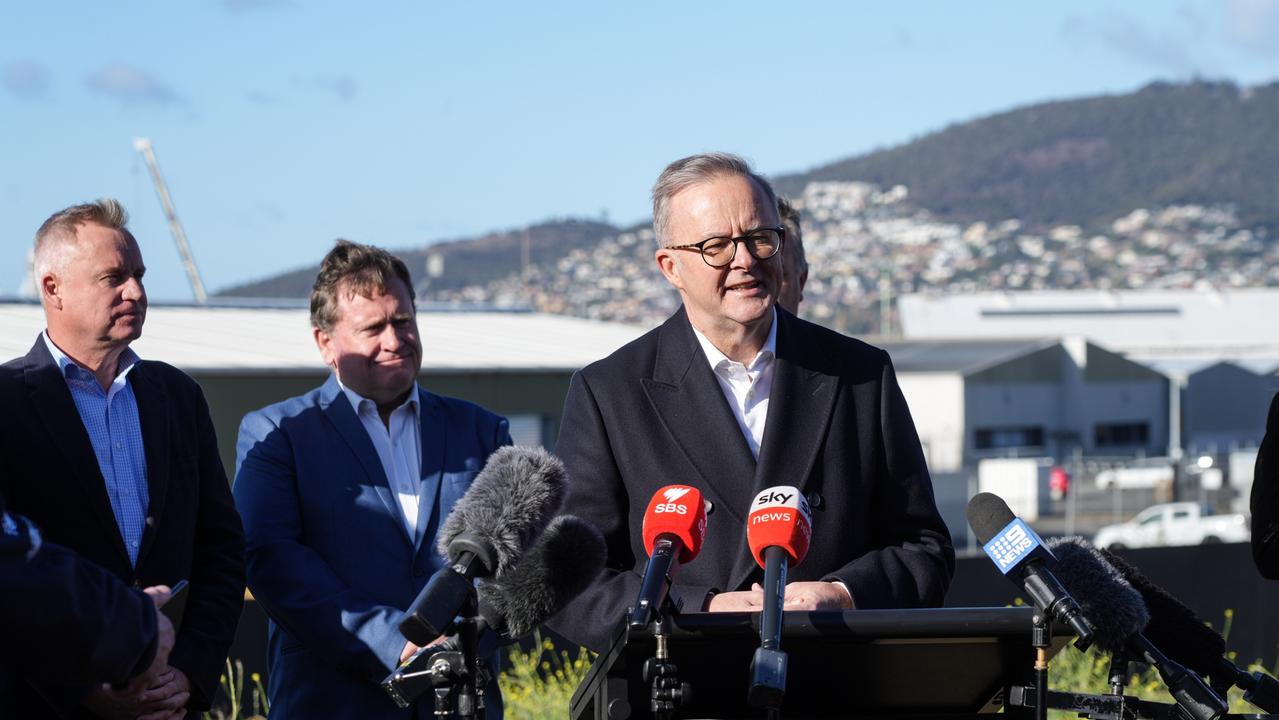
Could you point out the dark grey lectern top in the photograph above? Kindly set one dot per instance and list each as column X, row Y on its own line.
column 936, row 663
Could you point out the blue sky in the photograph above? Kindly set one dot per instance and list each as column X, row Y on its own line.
column 283, row 124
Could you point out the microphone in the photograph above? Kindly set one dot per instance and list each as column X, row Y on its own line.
column 564, row 561
column 1021, row 556
column 778, row 531
column 1185, row 637
column 507, row 506
column 1086, row 572
column 674, row 527
column 566, row 558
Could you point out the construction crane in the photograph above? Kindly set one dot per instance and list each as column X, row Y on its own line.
column 143, row 145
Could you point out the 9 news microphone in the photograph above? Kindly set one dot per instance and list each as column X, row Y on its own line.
column 506, row 508
column 778, row 530
column 1109, row 596
column 674, row 527
column 1022, row 557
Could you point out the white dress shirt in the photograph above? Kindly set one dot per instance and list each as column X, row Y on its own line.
column 746, row 387
column 399, row 448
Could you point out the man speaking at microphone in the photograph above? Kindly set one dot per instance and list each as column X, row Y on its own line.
column 732, row 395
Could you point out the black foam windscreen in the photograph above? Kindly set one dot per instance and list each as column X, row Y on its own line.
column 508, row 505
column 1115, row 609
column 987, row 515
column 1174, row 628
column 567, row 558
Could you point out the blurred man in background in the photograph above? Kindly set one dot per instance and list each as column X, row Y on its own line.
column 794, row 263
column 67, row 620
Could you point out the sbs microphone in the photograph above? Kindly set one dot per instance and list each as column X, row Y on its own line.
column 1022, row 557
column 507, row 506
column 778, row 531
column 674, row 527
column 1186, row 638
column 1086, row 572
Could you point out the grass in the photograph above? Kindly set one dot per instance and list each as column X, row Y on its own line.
column 232, row 682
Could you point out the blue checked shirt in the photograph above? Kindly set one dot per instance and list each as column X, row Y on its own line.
column 111, row 419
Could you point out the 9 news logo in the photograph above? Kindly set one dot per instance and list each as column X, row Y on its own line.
column 1011, row 544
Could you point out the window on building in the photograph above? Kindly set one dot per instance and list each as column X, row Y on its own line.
column 527, row 430
column 1009, row 437
column 1136, row 434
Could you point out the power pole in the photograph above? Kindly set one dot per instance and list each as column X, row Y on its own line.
column 143, row 145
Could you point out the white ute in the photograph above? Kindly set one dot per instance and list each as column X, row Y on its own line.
column 1181, row 523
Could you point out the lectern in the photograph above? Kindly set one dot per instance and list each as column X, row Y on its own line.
column 938, row 663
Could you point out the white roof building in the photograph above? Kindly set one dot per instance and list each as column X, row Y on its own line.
column 227, row 340
column 1177, row 331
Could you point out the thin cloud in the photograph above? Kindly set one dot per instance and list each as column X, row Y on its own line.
column 262, row 98
column 1124, row 37
column 26, row 80
column 1252, row 26
column 343, row 87
column 245, row 6
column 130, row 85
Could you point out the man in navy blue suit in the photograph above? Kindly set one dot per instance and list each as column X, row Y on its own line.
column 342, row 490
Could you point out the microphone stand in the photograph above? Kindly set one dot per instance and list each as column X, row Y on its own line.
column 667, row 692
column 458, row 676
column 768, row 665
column 1041, row 640
column 470, row 700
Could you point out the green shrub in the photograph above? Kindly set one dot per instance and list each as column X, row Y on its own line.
column 1074, row 671
column 540, row 682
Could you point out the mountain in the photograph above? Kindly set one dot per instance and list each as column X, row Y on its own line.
column 1088, row 161
column 463, row 262
column 1172, row 186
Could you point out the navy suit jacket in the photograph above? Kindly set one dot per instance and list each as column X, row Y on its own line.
column 653, row 414
column 192, row 529
column 329, row 557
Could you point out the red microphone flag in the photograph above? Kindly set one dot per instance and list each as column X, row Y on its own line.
column 676, row 510
column 779, row 518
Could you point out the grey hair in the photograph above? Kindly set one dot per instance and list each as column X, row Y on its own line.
column 60, row 230
column 794, row 234
column 692, row 170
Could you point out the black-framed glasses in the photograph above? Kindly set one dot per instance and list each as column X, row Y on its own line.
column 761, row 243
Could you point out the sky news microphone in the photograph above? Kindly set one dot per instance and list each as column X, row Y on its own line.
column 507, row 506
column 1186, row 638
column 778, row 530
column 674, row 527
column 1021, row 556
column 1088, row 574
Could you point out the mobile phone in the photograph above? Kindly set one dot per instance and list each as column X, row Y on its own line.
column 177, row 602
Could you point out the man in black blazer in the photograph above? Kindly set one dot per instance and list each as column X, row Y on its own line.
column 115, row 458
column 732, row 395
column 1265, row 498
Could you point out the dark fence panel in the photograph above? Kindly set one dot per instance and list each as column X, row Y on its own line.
column 1209, row 579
